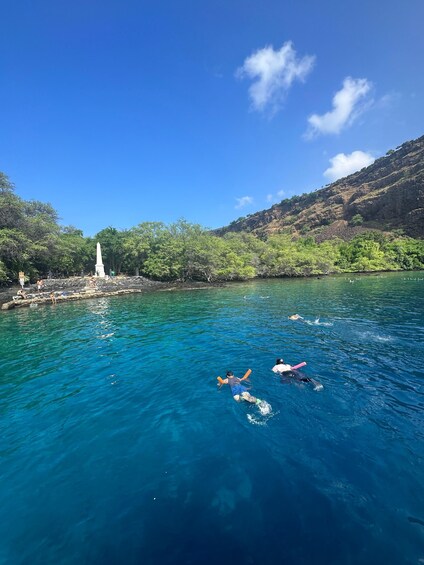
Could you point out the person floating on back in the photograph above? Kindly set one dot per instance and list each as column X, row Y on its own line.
column 289, row 371
column 238, row 390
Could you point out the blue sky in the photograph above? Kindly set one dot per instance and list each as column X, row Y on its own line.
column 124, row 111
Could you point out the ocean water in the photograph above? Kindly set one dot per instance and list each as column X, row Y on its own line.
column 118, row 447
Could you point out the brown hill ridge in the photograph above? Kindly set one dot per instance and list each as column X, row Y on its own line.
column 388, row 195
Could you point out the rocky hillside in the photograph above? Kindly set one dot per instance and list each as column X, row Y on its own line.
column 388, row 195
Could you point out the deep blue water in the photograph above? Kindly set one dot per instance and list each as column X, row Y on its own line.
column 118, row 447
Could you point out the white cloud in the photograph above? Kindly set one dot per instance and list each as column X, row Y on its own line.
column 243, row 201
column 346, row 107
column 343, row 165
column 274, row 72
column 275, row 197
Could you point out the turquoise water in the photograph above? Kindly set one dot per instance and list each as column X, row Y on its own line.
column 117, row 446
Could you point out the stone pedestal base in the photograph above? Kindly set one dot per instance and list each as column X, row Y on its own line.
column 100, row 271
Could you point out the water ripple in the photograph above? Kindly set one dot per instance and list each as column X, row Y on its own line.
column 112, row 421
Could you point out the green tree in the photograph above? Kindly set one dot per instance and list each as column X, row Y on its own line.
column 12, row 210
column 241, row 256
column 406, row 253
column 3, row 273
column 73, row 253
column 138, row 243
column 366, row 252
column 165, row 259
column 5, row 184
column 16, row 250
column 357, row 220
column 303, row 257
column 203, row 258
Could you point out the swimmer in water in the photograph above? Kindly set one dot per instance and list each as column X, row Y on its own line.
column 238, row 390
column 280, row 367
column 285, row 370
column 315, row 322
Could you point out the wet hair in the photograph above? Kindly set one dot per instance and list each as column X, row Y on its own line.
column 230, row 374
column 279, row 361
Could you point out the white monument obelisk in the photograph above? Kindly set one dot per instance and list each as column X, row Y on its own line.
column 100, row 270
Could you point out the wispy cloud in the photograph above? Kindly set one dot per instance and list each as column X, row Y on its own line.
column 275, row 197
column 389, row 100
column 273, row 73
column 343, row 165
column 243, row 201
column 348, row 103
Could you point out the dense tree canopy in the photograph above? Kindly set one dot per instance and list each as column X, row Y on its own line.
column 32, row 241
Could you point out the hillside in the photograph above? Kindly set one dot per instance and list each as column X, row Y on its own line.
column 388, row 195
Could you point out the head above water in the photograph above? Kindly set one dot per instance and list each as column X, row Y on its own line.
column 279, row 361
column 230, row 374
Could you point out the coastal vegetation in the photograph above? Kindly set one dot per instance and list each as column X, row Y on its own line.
column 31, row 240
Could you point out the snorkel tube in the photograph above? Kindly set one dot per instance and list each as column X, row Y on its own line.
column 298, row 366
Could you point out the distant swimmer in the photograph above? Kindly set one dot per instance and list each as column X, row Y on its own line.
column 315, row 322
column 238, row 390
column 290, row 371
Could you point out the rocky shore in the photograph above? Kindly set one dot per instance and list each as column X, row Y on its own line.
column 79, row 288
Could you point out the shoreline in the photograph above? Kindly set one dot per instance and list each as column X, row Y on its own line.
column 82, row 288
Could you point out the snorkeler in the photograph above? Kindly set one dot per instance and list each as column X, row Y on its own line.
column 290, row 371
column 315, row 322
column 281, row 367
column 238, row 390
